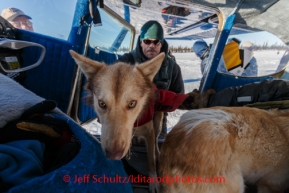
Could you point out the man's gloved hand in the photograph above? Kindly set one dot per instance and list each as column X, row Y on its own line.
column 34, row 124
column 196, row 100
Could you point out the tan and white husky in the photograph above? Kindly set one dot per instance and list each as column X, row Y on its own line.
column 215, row 150
column 119, row 94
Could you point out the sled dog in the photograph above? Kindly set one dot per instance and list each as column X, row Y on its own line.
column 216, row 150
column 119, row 94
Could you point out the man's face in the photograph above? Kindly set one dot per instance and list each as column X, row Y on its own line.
column 22, row 22
column 151, row 48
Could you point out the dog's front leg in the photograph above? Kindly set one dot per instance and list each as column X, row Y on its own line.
column 151, row 147
column 157, row 124
column 148, row 131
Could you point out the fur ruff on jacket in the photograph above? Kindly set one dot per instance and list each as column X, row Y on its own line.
column 15, row 99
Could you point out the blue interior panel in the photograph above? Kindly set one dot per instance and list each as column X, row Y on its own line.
column 55, row 74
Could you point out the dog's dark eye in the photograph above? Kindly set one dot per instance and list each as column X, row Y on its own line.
column 132, row 104
column 101, row 104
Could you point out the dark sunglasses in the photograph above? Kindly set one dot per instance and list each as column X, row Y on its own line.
column 155, row 42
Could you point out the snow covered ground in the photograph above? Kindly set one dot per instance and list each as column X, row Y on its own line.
column 268, row 62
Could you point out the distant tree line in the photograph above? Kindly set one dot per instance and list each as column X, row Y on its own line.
column 180, row 49
column 265, row 46
column 184, row 49
column 123, row 49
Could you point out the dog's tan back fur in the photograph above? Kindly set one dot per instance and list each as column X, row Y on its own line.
column 232, row 143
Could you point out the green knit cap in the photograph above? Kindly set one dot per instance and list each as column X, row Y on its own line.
column 152, row 30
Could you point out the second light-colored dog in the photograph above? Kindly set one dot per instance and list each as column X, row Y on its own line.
column 216, row 150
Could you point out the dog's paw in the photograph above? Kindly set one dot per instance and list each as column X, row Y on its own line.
column 154, row 187
column 138, row 140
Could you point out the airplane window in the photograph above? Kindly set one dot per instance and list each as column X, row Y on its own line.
column 111, row 36
column 53, row 17
column 254, row 55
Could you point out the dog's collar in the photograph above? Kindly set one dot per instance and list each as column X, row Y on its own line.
column 129, row 150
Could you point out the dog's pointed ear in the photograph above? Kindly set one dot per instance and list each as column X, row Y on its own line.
column 88, row 67
column 151, row 67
